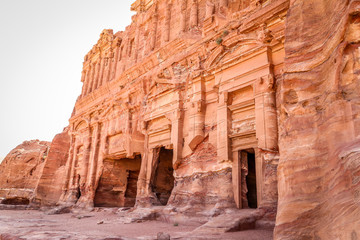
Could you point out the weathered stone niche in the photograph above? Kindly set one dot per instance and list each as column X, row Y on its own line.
column 118, row 183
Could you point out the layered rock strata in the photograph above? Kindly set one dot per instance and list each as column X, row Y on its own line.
column 319, row 165
column 185, row 108
column 51, row 181
column 21, row 170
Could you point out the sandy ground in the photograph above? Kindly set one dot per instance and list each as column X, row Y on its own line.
column 32, row 224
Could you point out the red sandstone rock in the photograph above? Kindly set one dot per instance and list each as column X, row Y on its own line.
column 319, row 122
column 20, row 171
column 181, row 103
column 50, row 185
column 185, row 108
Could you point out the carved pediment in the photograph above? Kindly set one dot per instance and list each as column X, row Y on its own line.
column 233, row 46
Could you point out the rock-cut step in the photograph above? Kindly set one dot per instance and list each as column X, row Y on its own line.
column 240, row 220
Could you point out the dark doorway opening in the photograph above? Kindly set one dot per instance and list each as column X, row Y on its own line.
column 251, row 181
column 248, row 178
column 118, row 183
column 16, row 201
column 163, row 181
column 131, row 188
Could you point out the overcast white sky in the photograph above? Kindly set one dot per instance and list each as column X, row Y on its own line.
column 42, row 47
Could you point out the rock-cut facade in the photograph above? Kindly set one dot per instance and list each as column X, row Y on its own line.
column 204, row 106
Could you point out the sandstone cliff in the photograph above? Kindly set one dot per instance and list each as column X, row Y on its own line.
column 20, row 171
column 51, row 180
column 319, row 122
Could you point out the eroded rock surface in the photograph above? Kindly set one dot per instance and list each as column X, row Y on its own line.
column 21, row 170
column 51, row 182
column 319, row 122
column 200, row 108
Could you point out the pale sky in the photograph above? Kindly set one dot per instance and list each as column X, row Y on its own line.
column 42, row 47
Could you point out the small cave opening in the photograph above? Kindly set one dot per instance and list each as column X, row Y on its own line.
column 118, row 183
column 163, row 182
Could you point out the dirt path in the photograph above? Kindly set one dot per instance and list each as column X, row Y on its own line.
column 31, row 224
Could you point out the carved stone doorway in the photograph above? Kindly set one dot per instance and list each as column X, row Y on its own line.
column 163, row 178
column 251, row 194
column 247, row 179
column 118, row 183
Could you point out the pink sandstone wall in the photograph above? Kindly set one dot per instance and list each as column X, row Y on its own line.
column 319, row 122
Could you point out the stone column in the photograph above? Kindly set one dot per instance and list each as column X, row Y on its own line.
column 98, row 163
column 101, row 77
column 115, row 62
column 196, row 126
column 136, row 42
column 86, row 81
column 177, row 136
column 266, row 132
column 194, row 14
column 91, row 78
column 265, row 112
column 88, row 152
column 209, row 11
column 96, row 74
column 197, row 114
column 223, row 115
column 110, row 63
column 127, row 123
column 154, row 30
column 86, row 199
column 69, row 194
column 183, row 15
column 167, row 22
column 83, row 78
column 236, row 178
column 143, row 183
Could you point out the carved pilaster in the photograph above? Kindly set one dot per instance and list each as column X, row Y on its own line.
column 136, row 42
column 183, row 15
column 154, row 30
column 110, row 64
column 88, row 192
column 101, row 74
column 115, row 63
column 194, row 14
column 91, row 78
column 128, row 133
column 96, row 75
column 209, row 10
column 83, row 79
column 167, row 22
column 223, row 116
column 266, row 116
column 177, row 137
column 86, row 81
column 197, row 115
